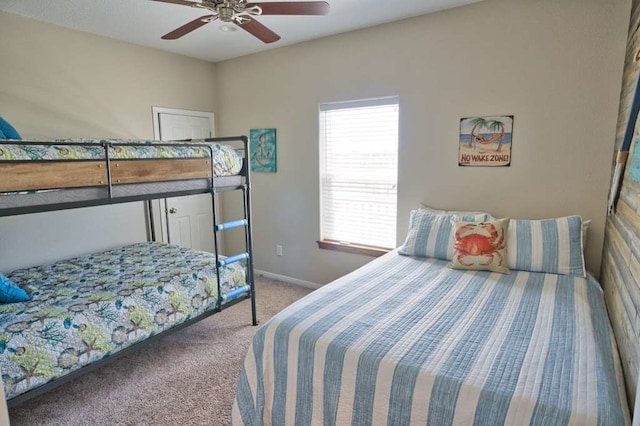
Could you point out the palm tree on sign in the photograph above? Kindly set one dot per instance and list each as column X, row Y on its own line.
column 494, row 126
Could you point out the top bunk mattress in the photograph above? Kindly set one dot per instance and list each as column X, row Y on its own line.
column 227, row 159
column 39, row 175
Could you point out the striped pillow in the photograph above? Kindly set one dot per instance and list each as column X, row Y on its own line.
column 431, row 235
column 549, row 245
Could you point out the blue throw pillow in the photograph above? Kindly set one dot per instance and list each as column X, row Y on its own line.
column 7, row 131
column 9, row 292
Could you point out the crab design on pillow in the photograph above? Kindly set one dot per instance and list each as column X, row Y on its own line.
column 480, row 245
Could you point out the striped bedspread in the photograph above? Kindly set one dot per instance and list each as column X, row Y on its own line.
column 407, row 340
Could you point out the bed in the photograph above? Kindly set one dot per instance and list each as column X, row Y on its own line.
column 89, row 310
column 408, row 340
column 41, row 175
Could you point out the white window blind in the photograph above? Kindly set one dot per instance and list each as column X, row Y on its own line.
column 359, row 171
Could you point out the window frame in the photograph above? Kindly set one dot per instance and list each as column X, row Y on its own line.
column 342, row 246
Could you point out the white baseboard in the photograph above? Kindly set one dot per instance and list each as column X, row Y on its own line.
column 286, row 279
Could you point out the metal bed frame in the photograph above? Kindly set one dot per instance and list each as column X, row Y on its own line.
column 223, row 302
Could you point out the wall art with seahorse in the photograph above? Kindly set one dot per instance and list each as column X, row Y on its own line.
column 263, row 150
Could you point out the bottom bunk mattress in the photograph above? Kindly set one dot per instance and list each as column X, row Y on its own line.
column 409, row 341
column 85, row 309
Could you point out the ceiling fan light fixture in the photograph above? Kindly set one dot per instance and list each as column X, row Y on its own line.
column 227, row 28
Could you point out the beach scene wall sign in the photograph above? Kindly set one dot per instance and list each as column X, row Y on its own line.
column 262, row 143
column 485, row 141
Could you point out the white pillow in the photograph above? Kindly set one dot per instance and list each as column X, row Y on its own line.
column 453, row 212
column 585, row 228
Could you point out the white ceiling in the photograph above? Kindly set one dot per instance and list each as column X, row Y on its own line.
column 143, row 22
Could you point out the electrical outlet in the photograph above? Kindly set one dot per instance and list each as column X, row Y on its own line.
column 278, row 250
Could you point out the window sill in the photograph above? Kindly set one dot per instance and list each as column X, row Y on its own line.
column 353, row 248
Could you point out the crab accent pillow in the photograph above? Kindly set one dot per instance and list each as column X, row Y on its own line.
column 480, row 246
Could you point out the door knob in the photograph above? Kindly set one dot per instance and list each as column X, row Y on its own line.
column 173, row 210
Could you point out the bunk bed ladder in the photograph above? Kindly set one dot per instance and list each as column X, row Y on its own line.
column 247, row 255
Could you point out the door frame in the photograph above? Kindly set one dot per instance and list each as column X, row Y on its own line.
column 160, row 206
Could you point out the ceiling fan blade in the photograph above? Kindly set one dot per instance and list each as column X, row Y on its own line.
column 180, row 2
column 292, row 7
column 188, row 27
column 258, row 30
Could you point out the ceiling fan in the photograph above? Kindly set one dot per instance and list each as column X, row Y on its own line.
column 242, row 13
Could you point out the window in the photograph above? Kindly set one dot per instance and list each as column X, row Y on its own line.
column 359, row 174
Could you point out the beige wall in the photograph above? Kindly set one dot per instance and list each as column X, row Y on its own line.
column 58, row 83
column 556, row 66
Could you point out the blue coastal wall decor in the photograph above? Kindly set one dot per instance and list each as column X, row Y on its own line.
column 634, row 164
column 263, row 150
column 485, row 141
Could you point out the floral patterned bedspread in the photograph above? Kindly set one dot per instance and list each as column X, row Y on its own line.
column 84, row 309
column 227, row 159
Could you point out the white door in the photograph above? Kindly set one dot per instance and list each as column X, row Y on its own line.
column 190, row 221
column 175, row 127
column 187, row 221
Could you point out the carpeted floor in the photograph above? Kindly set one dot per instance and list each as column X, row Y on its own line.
column 186, row 378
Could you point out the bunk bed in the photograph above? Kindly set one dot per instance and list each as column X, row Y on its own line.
column 87, row 311
column 40, row 176
column 408, row 340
